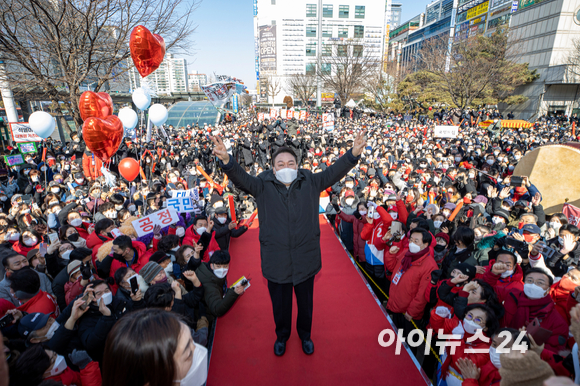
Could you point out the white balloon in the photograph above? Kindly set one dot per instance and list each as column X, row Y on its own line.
column 128, row 117
column 42, row 124
column 158, row 114
column 141, row 99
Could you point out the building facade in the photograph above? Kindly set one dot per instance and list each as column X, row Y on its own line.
column 171, row 76
column 196, row 80
column 287, row 33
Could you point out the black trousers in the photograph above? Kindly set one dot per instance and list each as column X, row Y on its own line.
column 281, row 295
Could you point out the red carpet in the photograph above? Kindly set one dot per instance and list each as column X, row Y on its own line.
column 346, row 324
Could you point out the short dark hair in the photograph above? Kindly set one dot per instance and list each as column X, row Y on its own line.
column 103, row 224
column 25, row 280
column 117, row 199
column 106, row 206
column 159, row 295
column 421, row 222
column 123, row 242
column 506, row 252
column 167, row 243
column 197, row 218
column 492, row 321
column 284, row 149
column 220, row 257
column 30, row 366
column 531, row 270
column 570, row 228
column 179, row 254
column 425, row 235
column 120, row 274
column 464, row 234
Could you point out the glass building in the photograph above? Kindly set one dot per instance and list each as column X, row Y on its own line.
column 182, row 114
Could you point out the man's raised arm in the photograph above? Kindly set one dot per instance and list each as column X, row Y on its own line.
column 234, row 171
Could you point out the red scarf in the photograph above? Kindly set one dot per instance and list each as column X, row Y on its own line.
column 411, row 257
column 528, row 309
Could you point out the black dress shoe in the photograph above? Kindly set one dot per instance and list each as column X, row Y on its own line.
column 279, row 348
column 307, row 347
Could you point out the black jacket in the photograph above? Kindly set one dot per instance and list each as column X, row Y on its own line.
column 289, row 228
column 217, row 304
column 223, row 233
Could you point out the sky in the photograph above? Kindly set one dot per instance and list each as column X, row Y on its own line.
column 224, row 40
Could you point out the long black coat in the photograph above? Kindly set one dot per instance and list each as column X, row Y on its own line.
column 289, row 228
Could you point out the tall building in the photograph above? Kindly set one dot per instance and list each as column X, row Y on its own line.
column 196, row 80
column 396, row 12
column 286, row 34
column 170, row 76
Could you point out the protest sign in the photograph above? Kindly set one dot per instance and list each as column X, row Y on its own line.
column 163, row 218
column 446, row 131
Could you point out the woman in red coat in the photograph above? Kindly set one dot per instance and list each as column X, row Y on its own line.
column 357, row 227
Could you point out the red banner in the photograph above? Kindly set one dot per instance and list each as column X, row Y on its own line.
column 572, row 213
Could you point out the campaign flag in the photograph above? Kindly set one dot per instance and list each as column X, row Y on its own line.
column 572, row 213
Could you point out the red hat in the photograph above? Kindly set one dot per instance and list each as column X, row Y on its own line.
column 348, row 193
column 443, row 235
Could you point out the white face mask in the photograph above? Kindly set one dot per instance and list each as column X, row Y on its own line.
column 471, row 327
column 494, row 357
column 118, row 207
column 197, row 374
column 222, row 220
column 534, row 291
column 76, row 222
column 555, row 225
column 52, row 330
column 220, row 272
column 286, row 175
column 437, row 224
column 200, row 230
column 14, row 236
column 107, row 298
column 507, row 273
column 66, row 255
column 414, row 248
column 394, row 215
column 490, row 162
column 30, row 242
column 561, row 240
column 55, row 190
column 349, row 201
column 131, row 208
column 497, row 220
column 59, row 366
column 180, row 232
column 362, row 212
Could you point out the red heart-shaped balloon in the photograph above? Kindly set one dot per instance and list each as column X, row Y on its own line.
column 147, row 50
column 93, row 104
column 103, row 136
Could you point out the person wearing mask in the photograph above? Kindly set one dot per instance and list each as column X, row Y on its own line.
column 512, row 277
column 29, row 240
column 125, row 252
column 218, row 297
column 25, row 285
column 564, row 293
column 358, row 220
column 62, row 278
column 285, row 192
column 201, row 232
column 189, row 259
column 463, row 238
column 101, row 234
column 12, row 263
column 225, row 228
column 143, row 339
column 123, row 278
column 37, row 328
column 411, row 267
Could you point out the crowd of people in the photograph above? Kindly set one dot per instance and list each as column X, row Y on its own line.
column 445, row 237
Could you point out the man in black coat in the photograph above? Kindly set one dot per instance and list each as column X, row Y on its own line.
column 288, row 203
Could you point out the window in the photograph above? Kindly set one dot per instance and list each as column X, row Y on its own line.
column 342, row 32
column 357, row 50
column 341, row 50
column 326, row 68
column 359, row 31
column 310, row 10
column 273, row 2
column 327, row 10
column 326, row 50
column 311, row 31
column 311, row 49
column 310, row 68
column 577, row 16
column 327, row 32
column 359, row 12
column 343, row 11
column 273, row 22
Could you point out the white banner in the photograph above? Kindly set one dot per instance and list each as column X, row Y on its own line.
column 181, row 204
column 219, row 93
column 191, row 193
column 446, row 131
column 21, row 132
column 273, row 113
column 328, row 121
column 163, row 218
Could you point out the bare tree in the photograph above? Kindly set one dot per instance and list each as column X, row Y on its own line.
column 345, row 65
column 246, row 100
column 53, row 48
column 574, row 58
column 381, row 88
column 302, row 86
column 273, row 87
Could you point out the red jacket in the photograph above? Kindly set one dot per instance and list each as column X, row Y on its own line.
column 142, row 258
column 560, row 293
column 89, row 376
column 43, row 303
column 22, row 249
column 520, row 311
column 503, row 285
column 92, row 169
column 450, row 326
column 489, row 376
column 94, row 243
column 357, row 227
column 82, row 232
column 409, row 294
column 191, row 238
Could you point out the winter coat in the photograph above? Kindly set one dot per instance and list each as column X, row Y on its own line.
column 208, row 241
column 109, row 265
column 223, row 234
column 89, row 376
column 41, row 302
column 454, row 258
column 357, row 227
column 92, row 167
column 289, row 223
column 408, row 295
column 483, row 247
column 373, row 235
column 5, row 292
column 503, row 285
column 217, row 304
